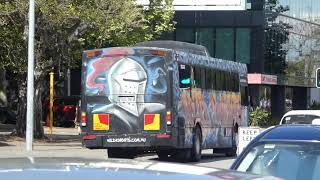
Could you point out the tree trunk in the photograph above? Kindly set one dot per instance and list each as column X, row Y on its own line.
column 38, row 109
column 22, row 110
column 3, row 87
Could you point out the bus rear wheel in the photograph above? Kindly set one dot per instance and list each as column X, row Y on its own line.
column 196, row 146
column 163, row 154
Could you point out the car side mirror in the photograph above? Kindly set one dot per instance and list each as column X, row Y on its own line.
column 316, row 121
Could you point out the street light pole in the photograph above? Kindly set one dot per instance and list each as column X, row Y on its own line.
column 30, row 87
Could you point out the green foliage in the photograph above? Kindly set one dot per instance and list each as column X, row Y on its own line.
column 65, row 28
column 262, row 118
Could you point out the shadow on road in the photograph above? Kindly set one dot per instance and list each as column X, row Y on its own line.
column 206, row 158
column 3, row 140
column 59, row 138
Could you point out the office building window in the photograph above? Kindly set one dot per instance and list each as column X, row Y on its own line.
column 185, row 35
column 224, row 45
column 205, row 37
column 243, row 45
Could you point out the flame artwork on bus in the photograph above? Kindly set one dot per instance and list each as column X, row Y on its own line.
column 136, row 93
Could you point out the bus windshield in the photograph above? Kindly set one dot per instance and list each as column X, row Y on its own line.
column 125, row 75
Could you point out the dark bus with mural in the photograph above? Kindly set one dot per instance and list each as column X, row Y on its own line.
column 175, row 103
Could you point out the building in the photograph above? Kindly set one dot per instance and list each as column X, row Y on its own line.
column 236, row 30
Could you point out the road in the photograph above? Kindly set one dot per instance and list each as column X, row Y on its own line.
column 65, row 143
column 208, row 159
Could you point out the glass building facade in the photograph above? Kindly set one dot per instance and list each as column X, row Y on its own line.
column 304, row 9
column 303, row 41
column 225, row 43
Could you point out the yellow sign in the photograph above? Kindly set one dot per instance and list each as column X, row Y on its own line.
column 100, row 122
column 152, row 122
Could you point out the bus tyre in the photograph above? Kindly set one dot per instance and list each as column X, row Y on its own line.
column 196, row 146
column 232, row 152
column 163, row 155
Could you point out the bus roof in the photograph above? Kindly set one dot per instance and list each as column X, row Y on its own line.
column 177, row 45
column 183, row 57
column 225, row 65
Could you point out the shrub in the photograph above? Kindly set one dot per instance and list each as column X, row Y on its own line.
column 262, row 118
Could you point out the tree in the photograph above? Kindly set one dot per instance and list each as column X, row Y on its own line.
column 63, row 30
column 305, row 45
column 277, row 34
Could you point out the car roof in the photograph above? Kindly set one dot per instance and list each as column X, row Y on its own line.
column 293, row 132
column 303, row 112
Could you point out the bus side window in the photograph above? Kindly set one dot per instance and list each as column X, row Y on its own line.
column 208, row 79
column 237, row 83
column 203, row 78
column 184, row 76
column 227, row 80
column 214, row 79
column 197, row 77
column 244, row 96
column 218, row 81
column 223, row 80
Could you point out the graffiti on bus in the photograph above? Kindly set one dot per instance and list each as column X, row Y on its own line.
column 132, row 84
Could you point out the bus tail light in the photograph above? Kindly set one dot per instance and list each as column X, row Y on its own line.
column 91, row 54
column 83, row 119
column 89, row 137
column 163, row 136
column 168, row 118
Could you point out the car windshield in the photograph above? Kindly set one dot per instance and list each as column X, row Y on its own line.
column 299, row 119
column 291, row 161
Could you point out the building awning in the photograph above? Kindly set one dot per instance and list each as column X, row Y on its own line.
column 262, row 79
column 281, row 80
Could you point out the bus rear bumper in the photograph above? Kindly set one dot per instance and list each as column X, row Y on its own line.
column 144, row 141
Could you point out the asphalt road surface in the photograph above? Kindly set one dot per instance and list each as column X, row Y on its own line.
column 66, row 144
column 208, row 159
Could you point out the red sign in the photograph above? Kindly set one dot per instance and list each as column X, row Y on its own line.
column 262, row 79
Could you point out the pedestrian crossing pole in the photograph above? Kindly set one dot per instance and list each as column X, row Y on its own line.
column 51, row 101
column 30, row 85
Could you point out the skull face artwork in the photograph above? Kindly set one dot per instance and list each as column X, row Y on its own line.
column 127, row 81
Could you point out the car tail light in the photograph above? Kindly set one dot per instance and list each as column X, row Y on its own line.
column 168, row 118
column 83, row 119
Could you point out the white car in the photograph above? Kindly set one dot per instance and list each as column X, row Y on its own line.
column 300, row 117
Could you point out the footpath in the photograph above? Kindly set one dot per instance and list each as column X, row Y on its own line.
column 63, row 142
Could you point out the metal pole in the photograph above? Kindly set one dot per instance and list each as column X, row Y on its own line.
column 30, row 87
column 69, row 83
column 51, row 101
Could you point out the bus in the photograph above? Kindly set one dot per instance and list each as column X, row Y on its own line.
column 173, row 102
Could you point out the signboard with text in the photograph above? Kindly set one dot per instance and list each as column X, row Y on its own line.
column 246, row 134
column 204, row 4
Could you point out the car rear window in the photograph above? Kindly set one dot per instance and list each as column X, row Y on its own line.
column 299, row 119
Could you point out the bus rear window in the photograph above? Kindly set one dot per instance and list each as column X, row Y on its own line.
column 135, row 74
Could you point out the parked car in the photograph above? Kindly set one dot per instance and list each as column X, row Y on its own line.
column 64, row 111
column 300, row 117
column 83, row 169
column 291, row 152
